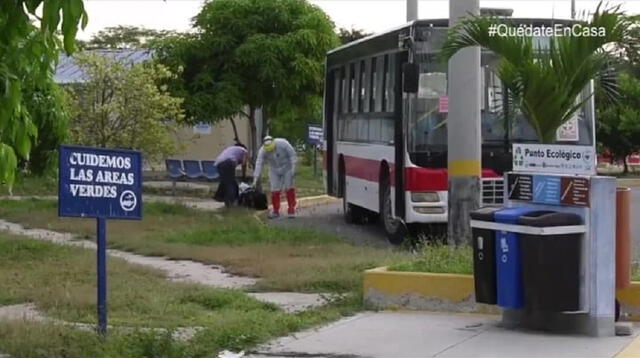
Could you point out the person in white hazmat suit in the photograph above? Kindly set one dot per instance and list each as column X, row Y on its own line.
column 281, row 158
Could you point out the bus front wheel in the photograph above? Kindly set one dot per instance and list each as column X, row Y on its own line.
column 396, row 230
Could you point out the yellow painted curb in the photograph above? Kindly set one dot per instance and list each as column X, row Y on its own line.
column 629, row 182
column 458, row 288
column 444, row 286
column 630, row 300
column 630, row 351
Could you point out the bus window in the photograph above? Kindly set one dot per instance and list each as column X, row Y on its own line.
column 390, row 83
column 344, row 100
column 386, row 130
column 372, row 83
column 379, row 86
column 375, row 130
column 361, row 87
column 385, row 78
column 352, row 86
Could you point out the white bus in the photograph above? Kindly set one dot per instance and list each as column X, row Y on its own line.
column 386, row 150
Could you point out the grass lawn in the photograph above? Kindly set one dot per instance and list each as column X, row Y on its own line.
column 60, row 281
column 439, row 259
column 301, row 260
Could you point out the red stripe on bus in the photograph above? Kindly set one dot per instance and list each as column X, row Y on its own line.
column 428, row 179
column 425, row 179
column 365, row 169
column 416, row 179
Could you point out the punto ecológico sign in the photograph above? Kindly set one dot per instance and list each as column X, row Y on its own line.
column 98, row 182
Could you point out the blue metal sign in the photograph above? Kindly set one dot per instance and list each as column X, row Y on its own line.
column 100, row 183
column 315, row 135
column 103, row 184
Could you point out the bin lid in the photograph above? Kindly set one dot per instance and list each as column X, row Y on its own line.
column 511, row 215
column 484, row 214
column 550, row 219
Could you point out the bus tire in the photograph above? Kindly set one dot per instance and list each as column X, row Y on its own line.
column 395, row 229
column 352, row 214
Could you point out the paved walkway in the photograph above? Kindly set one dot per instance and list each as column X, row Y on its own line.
column 421, row 334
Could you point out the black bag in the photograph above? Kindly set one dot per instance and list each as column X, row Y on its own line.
column 251, row 198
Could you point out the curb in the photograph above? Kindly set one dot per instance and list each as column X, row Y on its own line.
column 632, row 183
column 304, row 202
column 384, row 289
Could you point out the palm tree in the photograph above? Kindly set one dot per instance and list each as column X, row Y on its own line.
column 545, row 82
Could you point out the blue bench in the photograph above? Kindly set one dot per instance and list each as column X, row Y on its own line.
column 181, row 170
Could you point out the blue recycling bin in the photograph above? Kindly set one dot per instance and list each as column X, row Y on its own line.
column 509, row 259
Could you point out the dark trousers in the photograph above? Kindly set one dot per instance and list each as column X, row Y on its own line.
column 228, row 188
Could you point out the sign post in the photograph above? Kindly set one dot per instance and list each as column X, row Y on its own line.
column 102, row 184
column 314, row 138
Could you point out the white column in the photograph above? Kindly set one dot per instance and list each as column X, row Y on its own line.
column 464, row 130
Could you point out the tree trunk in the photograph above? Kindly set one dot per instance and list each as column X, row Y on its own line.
column 265, row 123
column 235, row 130
column 252, row 134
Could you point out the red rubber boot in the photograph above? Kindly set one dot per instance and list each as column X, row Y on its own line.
column 275, row 202
column 291, row 201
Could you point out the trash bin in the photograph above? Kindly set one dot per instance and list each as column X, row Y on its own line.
column 508, row 259
column 551, row 264
column 484, row 257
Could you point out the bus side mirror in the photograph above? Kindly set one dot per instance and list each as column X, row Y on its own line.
column 410, row 78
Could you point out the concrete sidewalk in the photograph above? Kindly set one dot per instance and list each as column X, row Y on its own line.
column 421, row 334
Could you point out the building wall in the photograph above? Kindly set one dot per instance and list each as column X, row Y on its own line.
column 202, row 143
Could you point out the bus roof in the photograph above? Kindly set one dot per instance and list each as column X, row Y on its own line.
column 442, row 23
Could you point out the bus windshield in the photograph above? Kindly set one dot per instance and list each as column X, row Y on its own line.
column 501, row 123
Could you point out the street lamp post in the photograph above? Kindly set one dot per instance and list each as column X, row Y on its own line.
column 412, row 10
column 464, row 131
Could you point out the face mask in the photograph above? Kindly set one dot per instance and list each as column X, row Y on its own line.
column 270, row 147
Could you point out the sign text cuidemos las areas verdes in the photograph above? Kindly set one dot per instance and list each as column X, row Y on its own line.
column 97, row 182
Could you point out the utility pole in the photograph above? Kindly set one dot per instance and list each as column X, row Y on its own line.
column 464, row 131
column 412, row 10
column 573, row 9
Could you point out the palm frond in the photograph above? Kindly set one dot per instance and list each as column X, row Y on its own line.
column 545, row 82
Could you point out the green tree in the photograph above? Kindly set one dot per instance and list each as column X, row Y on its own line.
column 251, row 54
column 354, row 34
column 27, row 56
column 124, row 106
column 48, row 106
column 618, row 126
column 124, row 37
column 545, row 84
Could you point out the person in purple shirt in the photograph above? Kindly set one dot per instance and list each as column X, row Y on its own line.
column 226, row 163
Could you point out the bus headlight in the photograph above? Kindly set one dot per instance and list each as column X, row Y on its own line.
column 425, row 197
column 429, row 210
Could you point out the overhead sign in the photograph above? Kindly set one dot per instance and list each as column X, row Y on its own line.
column 549, row 158
column 315, row 135
column 100, row 183
column 549, row 189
